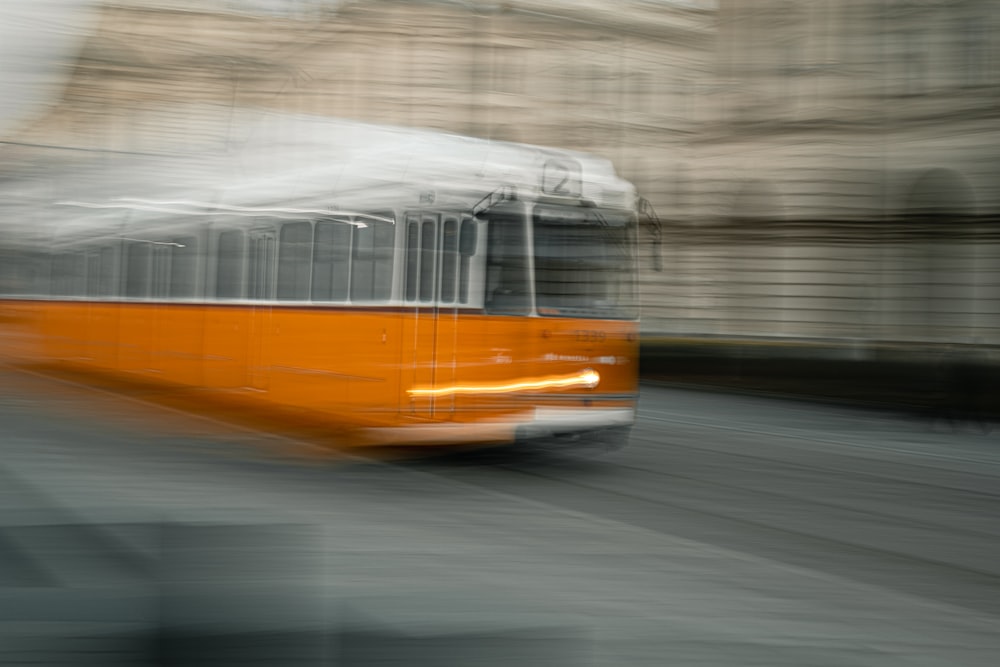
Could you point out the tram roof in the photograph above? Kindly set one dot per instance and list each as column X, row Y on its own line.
column 300, row 156
column 313, row 164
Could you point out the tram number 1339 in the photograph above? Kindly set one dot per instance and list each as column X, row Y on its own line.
column 589, row 336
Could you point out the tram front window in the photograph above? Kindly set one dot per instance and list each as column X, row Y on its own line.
column 584, row 264
column 507, row 279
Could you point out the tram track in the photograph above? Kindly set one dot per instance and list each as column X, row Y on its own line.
column 939, row 580
column 44, row 543
column 778, row 467
column 803, row 435
column 700, row 508
column 772, row 470
column 887, row 546
column 828, row 505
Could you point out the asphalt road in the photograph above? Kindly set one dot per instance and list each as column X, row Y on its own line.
column 732, row 530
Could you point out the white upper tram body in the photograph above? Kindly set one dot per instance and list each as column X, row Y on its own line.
column 278, row 168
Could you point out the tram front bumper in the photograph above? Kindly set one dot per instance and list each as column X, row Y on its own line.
column 562, row 421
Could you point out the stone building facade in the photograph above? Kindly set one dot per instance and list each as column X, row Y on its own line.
column 614, row 79
column 622, row 80
column 843, row 179
column 874, row 96
column 802, row 154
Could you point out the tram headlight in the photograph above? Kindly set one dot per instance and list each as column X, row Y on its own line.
column 587, row 378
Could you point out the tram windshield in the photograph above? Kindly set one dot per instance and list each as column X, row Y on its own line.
column 584, row 263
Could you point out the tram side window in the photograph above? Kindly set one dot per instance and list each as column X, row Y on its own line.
column 229, row 266
column 19, row 273
column 162, row 255
column 41, row 280
column 101, row 272
column 68, row 273
column 262, row 263
column 371, row 265
column 412, row 257
column 422, row 250
column 106, row 278
column 137, row 270
column 94, row 274
column 507, row 284
column 183, row 267
column 467, row 248
column 428, row 245
column 449, row 260
column 331, row 254
column 294, row 255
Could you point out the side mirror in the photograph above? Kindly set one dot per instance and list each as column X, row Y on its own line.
column 652, row 222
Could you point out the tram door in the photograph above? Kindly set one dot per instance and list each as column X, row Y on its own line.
column 447, row 313
column 159, row 290
column 262, row 275
column 430, row 329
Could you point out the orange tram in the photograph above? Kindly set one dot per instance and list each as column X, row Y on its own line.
column 401, row 286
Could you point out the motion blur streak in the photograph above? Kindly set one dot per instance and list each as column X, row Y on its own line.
column 588, row 379
column 38, row 44
column 205, row 208
column 428, row 225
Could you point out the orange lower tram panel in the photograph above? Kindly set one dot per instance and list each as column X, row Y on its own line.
column 357, row 376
